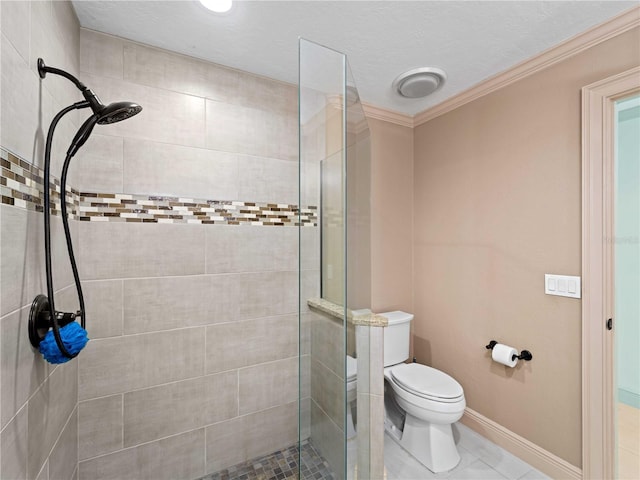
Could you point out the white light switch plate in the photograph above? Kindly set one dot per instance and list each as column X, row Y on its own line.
column 562, row 285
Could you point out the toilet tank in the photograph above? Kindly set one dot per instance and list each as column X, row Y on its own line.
column 396, row 337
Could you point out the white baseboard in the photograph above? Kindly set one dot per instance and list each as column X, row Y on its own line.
column 537, row 457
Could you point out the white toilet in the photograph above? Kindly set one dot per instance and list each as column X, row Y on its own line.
column 421, row 402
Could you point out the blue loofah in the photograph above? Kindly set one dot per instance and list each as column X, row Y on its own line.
column 74, row 338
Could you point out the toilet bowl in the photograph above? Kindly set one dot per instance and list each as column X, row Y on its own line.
column 352, row 394
column 421, row 402
column 431, row 401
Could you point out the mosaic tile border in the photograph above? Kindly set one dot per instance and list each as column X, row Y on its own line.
column 21, row 185
column 280, row 465
column 160, row 209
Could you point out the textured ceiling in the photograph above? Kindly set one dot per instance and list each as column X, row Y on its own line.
column 469, row 40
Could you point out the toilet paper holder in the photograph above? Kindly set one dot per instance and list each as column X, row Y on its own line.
column 524, row 354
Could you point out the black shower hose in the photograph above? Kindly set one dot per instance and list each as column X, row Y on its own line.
column 65, row 223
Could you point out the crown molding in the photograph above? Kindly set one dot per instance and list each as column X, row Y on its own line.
column 573, row 46
column 583, row 41
column 390, row 116
column 379, row 113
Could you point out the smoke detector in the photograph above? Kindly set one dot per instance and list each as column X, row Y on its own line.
column 419, row 82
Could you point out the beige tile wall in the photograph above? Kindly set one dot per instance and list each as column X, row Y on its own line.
column 196, row 320
column 157, row 460
column 100, row 426
column 370, row 402
column 327, row 388
column 164, row 302
column 38, row 402
column 250, row 436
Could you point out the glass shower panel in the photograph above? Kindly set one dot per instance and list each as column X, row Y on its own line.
column 358, row 193
column 334, row 262
column 358, row 277
column 322, row 261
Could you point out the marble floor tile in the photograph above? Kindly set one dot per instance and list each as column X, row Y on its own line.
column 478, row 470
column 480, row 459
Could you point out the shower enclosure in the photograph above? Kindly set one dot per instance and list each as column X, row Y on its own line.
column 208, row 243
column 334, row 263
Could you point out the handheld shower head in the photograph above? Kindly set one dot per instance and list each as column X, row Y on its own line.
column 43, row 312
column 104, row 115
column 82, row 135
column 112, row 113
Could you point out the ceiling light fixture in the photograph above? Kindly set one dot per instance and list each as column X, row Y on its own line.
column 419, row 82
column 218, row 6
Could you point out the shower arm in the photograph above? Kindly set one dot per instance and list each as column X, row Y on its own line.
column 44, row 69
column 94, row 101
column 48, row 316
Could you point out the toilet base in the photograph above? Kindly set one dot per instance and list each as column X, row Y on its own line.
column 351, row 425
column 431, row 444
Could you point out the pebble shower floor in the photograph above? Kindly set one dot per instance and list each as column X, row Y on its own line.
column 279, row 465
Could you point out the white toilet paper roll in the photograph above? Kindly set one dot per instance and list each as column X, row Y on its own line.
column 504, row 354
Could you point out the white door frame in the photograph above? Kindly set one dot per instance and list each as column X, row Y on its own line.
column 598, row 429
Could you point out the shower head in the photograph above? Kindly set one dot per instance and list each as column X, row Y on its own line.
column 103, row 115
column 118, row 111
column 112, row 113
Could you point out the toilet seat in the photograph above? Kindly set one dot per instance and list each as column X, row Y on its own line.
column 431, row 409
column 426, row 382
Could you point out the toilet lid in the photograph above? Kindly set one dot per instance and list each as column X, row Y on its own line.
column 426, row 382
column 352, row 368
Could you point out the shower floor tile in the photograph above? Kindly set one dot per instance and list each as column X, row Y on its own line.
column 280, row 465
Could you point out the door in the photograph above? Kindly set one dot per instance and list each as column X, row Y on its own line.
column 609, row 268
column 626, row 253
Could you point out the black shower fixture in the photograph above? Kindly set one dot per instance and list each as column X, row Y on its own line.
column 43, row 315
column 102, row 114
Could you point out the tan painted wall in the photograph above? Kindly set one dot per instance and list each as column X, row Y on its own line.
column 497, row 187
column 391, row 219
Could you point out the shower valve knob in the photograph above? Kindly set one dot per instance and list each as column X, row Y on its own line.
column 64, row 318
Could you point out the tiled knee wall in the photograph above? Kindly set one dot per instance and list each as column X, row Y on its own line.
column 327, row 389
